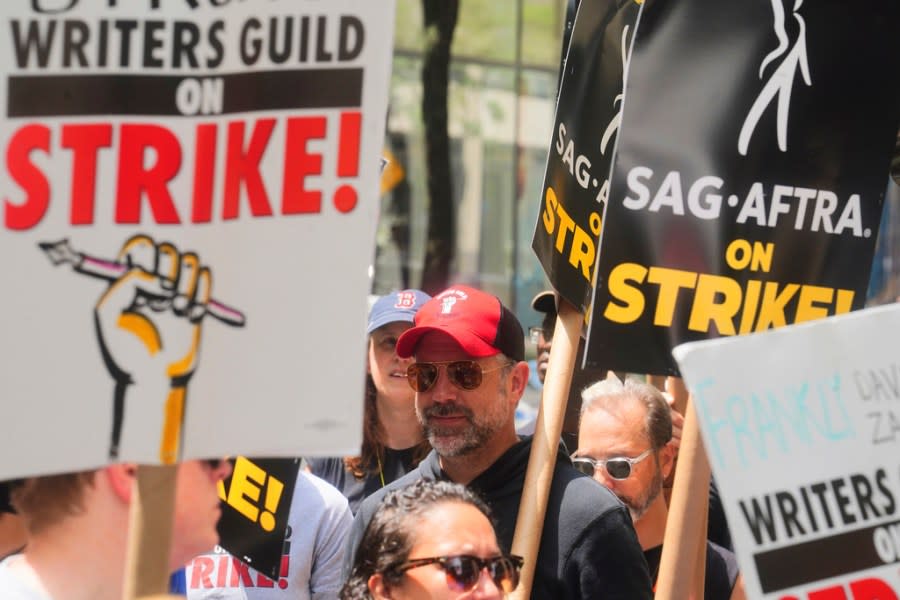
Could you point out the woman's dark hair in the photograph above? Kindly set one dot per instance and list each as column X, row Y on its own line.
column 390, row 535
column 372, row 453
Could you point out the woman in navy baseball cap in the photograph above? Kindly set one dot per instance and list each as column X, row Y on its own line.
column 393, row 442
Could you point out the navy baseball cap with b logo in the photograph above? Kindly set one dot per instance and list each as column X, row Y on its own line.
column 476, row 320
column 396, row 306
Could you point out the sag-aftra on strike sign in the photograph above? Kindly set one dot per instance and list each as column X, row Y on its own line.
column 747, row 186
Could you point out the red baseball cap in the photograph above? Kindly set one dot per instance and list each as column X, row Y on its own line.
column 476, row 320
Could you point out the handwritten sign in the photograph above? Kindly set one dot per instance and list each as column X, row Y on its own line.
column 802, row 428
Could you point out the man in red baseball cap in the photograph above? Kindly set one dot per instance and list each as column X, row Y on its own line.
column 469, row 374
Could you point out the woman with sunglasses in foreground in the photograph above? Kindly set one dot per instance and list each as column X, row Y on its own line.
column 431, row 540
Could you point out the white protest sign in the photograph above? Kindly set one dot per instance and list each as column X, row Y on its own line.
column 189, row 199
column 802, row 429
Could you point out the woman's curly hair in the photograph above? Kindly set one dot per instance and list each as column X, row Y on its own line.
column 390, row 535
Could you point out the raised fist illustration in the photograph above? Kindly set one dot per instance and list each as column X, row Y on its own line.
column 149, row 324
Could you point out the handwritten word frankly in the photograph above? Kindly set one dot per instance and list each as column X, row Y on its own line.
column 759, row 426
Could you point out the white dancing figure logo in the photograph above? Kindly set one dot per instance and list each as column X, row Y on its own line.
column 617, row 118
column 781, row 82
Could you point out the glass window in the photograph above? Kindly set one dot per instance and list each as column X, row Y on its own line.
column 542, row 25
column 501, row 108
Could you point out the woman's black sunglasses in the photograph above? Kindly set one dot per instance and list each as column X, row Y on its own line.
column 464, row 570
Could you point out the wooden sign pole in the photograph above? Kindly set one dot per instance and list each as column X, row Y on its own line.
column 700, row 560
column 548, row 429
column 675, row 387
column 685, row 538
column 150, row 534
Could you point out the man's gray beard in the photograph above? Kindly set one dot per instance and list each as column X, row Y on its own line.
column 637, row 509
column 451, row 443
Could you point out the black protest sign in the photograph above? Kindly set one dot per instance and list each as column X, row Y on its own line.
column 256, row 503
column 587, row 118
column 749, row 175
